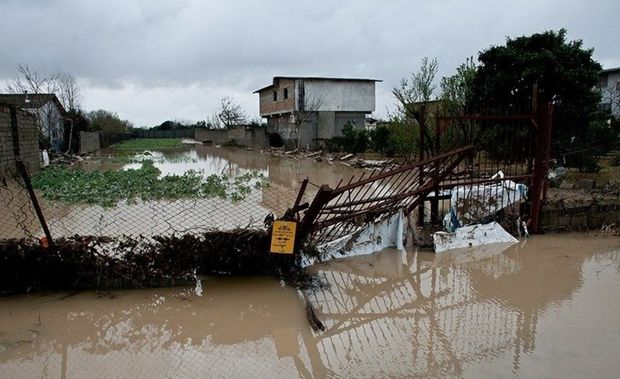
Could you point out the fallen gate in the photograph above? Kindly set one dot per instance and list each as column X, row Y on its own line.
column 471, row 152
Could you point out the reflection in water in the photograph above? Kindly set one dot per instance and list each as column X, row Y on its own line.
column 526, row 310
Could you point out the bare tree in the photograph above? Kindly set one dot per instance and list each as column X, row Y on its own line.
column 610, row 96
column 62, row 84
column 30, row 81
column 68, row 91
column 306, row 112
column 230, row 113
column 213, row 121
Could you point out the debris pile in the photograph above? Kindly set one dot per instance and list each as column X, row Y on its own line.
column 87, row 262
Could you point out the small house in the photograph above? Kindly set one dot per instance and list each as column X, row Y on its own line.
column 48, row 111
column 304, row 111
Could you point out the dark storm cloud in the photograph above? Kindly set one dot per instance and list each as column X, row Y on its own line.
column 182, row 56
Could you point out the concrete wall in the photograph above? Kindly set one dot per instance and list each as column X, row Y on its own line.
column 89, row 142
column 341, row 96
column 355, row 118
column 320, row 126
column 580, row 218
column 282, row 125
column 28, row 133
column 256, row 138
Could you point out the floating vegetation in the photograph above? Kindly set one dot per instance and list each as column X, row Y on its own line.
column 107, row 188
column 148, row 144
column 126, row 157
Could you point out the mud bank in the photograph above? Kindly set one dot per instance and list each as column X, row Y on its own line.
column 87, row 262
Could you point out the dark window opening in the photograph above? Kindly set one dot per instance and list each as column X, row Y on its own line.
column 285, row 93
column 275, row 95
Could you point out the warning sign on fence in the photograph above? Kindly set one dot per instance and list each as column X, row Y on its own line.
column 283, row 237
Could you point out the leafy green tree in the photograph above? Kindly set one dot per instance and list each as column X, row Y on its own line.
column 564, row 72
column 108, row 122
column 456, row 90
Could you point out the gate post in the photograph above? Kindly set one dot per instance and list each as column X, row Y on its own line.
column 422, row 121
column 541, row 163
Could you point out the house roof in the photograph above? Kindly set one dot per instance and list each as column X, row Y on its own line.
column 610, row 70
column 31, row 100
column 278, row 78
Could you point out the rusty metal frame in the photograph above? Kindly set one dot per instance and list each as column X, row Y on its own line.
column 339, row 211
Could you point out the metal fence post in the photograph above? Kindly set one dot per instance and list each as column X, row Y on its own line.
column 541, row 163
column 23, row 172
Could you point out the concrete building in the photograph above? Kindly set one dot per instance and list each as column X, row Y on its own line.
column 48, row 111
column 609, row 83
column 304, row 111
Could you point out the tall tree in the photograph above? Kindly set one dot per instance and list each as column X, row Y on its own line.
column 564, row 72
column 108, row 122
column 231, row 113
column 419, row 88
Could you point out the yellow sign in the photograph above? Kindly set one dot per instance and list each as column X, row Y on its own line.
column 283, row 237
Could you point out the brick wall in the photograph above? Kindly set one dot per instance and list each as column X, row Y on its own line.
column 89, row 142
column 28, row 133
column 268, row 106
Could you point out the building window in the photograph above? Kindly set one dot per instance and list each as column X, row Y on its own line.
column 275, row 95
column 285, row 93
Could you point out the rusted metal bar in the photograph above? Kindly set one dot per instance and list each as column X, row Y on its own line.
column 300, row 194
column 23, row 172
column 514, row 178
column 541, row 164
column 423, row 162
column 321, row 197
column 422, row 147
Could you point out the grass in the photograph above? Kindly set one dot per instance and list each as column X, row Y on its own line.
column 107, row 188
column 148, row 144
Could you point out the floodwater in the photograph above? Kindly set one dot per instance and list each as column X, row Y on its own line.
column 547, row 307
column 186, row 215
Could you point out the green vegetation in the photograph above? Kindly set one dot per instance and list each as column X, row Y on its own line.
column 127, row 157
column 148, row 144
column 107, row 188
column 392, row 138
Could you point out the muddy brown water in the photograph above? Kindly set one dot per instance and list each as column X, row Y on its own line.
column 547, row 307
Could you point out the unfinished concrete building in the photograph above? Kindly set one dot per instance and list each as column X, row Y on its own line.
column 305, row 111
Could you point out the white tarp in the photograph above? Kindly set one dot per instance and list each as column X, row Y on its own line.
column 471, row 204
column 368, row 239
column 474, row 235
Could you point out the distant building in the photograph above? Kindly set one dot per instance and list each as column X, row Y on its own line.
column 305, row 111
column 49, row 113
column 609, row 83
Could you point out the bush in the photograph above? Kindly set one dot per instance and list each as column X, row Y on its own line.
column 352, row 140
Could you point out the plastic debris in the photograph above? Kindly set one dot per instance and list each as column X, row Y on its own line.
column 473, row 235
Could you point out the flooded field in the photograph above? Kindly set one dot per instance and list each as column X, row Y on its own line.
column 547, row 307
column 158, row 217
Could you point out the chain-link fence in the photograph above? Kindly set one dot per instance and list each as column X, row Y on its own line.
column 139, row 218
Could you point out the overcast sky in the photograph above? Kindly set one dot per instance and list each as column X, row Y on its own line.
column 150, row 62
